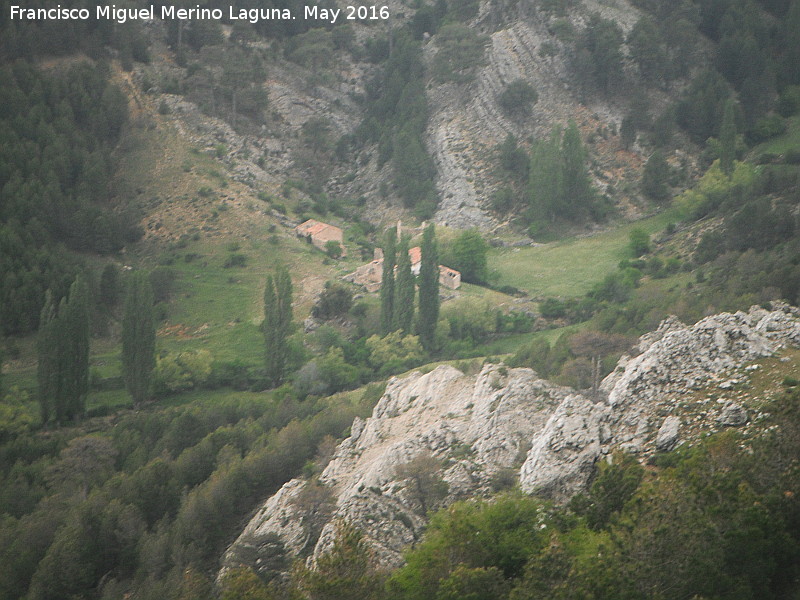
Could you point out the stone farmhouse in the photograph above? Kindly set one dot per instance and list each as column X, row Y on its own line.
column 371, row 274
column 320, row 234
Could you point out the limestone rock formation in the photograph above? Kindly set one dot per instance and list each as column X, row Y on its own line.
column 476, row 430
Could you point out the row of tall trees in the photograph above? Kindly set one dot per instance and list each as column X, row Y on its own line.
column 398, row 287
column 559, row 185
column 63, row 348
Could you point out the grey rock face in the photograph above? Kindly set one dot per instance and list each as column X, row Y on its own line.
column 481, row 428
column 561, row 459
column 478, row 428
column 667, row 436
column 732, row 415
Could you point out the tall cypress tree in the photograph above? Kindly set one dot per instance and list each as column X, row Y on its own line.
column 545, row 179
column 277, row 324
column 74, row 320
column 428, row 288
column 387, row 283
column 47, row 369
column 727, row 138
column 577, row 193
column 63, row 349
column 138, row 337
column 403, row 290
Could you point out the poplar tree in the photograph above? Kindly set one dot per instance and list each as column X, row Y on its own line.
column 577, row 193
column 727, row 139
column 387, row 283
column 74, row 348
column 545, row 179
column 403, row 290
column 63, row 351
column 559, row 182
column 138, row 337
column 47, row 349
column 277, row 324
column 428, row 288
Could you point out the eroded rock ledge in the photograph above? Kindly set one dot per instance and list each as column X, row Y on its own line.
column 505, row 423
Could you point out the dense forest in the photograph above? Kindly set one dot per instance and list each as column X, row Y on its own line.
column 140, row 496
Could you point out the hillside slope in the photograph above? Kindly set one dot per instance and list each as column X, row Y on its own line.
column 480, row 433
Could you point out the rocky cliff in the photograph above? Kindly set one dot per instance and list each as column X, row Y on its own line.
column 478, row 433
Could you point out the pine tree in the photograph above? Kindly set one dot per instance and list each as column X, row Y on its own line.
column 47, row 371
column 727, row 138
column 138, row 337
column 428, row 289
column 387, row 283
column 655, row 177
column 403, row 290
column 277, row 323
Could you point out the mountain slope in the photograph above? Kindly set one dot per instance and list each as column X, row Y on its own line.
column 683, row 383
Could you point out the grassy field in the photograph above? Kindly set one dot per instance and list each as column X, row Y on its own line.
column 569, row 268
column 790, row 140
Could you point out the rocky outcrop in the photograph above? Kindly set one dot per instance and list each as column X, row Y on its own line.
column 478, row 433
column 476, row 428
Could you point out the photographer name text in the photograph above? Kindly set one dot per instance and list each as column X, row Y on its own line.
column 251, row 15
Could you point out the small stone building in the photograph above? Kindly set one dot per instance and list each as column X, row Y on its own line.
column 320, row 233
column 449, row 278
column 371, row 274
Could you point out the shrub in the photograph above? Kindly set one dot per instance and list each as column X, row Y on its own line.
column 235, row 260
column 518, row 98
column 334, row 301
column 639, row 242
column 180, row 371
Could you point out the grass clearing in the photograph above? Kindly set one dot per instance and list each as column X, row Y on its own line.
column 571, row 267
column 789, row 140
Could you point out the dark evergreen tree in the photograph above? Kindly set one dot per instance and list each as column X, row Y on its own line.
column 428, row 289
column 700, row 110
column 559, row 182
column 47, row 367
column 469, row 256
column 403, row 290
column 109, row 285
column 599, row 52
column 648, row 50
column 514, row 159
column 277, row 323
column 518, row 98
column 627, row 132
column 138, row 337
column 655, row 177
column 578, row 194
column 63, row 349
column 74, row 347
column 387, row 283
column 727, row 138
column 789, row 71
column 545, row 178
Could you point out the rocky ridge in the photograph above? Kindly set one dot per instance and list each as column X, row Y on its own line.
column 480, row 429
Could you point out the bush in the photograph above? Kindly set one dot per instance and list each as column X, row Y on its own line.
column 333, row 249
column 235, row 260
column 638, row 242
column 336, row 300
column 163, row 280
column 180, row 371
column 518, row 98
